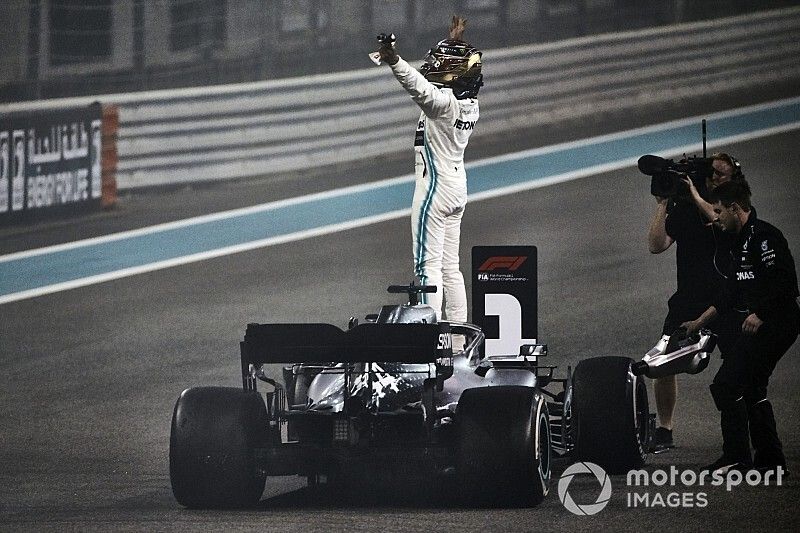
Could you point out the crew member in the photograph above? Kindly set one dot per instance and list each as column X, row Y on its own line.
column 760, row 295
column 445, row 89
column 702, row 258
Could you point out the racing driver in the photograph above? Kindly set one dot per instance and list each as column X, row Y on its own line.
column 445, row 88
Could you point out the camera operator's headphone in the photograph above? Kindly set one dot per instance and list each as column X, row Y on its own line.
column 737, row 175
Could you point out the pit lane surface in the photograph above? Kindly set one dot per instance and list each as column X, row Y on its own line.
column 89, row 376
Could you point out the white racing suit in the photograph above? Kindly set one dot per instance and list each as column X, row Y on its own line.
column 440, row 195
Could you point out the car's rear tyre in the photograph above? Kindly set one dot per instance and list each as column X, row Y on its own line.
column 610, row 413
column 503, row 454
column 212, row 460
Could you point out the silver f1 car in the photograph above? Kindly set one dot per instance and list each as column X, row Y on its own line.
column 397, row 392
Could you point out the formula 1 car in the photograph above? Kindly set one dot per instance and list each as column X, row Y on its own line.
column 393, row 394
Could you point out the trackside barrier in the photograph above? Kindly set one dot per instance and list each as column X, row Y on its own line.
column 255, row 129
column 110, row 158
column 54, row 162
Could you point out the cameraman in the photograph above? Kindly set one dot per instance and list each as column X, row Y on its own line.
column 702, row 257
column 759, row 299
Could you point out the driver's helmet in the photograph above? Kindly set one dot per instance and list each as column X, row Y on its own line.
column 454, row 64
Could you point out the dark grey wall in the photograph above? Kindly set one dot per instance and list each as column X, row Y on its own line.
column 57, row 48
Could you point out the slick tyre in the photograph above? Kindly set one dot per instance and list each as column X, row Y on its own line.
column 212, row 461
column 503, row 453
column 610, row 414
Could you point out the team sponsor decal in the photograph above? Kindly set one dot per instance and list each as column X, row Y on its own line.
column 419, row 135
column 444, row 351
column 767, row 254
column 444, row 361
column 445, row 342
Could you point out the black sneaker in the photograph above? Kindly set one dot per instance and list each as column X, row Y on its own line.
column 723, row 465
column 662, row 440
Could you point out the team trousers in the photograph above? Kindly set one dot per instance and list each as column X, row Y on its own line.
column 739, row 390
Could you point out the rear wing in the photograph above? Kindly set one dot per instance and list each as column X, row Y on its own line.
column 364, row 343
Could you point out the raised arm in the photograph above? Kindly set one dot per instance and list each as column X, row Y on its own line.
column 706, row 208
column 657, row 238
column 432, row 100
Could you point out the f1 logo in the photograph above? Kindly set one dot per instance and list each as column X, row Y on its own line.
column 510, row 262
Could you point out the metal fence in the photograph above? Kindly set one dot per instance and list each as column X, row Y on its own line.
column 242, row 130
column 303, row 123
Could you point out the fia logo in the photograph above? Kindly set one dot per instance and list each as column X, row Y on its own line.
column 483, row 277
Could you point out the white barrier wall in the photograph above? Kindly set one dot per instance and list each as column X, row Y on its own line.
column 235, row 131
